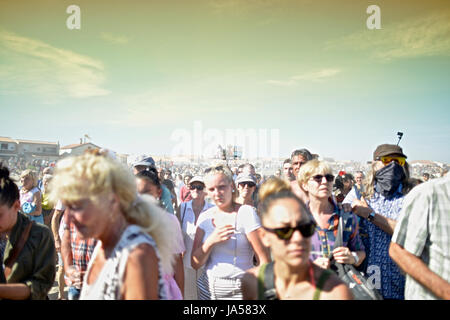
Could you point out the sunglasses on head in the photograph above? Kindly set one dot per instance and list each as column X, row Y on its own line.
column 386, row 160
column 199, row 188
column 307, row 229
column 319, row 177
column 248, row 184
column 218, row 168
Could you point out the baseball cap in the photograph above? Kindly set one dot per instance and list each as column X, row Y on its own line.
column 245, row 178
column 387, row 150
column 144, row 161
column 196, row 179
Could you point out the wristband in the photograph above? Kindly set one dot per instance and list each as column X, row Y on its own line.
column 355, row 255
column 371, row 216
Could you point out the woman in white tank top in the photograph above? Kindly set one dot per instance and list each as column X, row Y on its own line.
column 226, row 240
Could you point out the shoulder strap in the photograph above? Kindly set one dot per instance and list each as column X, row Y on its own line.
column 323, row 278
column 266, row 282
column 184, row 212
column 14, row 254
column 358, row 193
column 269, row 283
column 261, row 288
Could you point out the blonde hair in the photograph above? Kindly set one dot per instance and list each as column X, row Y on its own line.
column 91, row 176
column 226, row 171
column 311, row 168
column 30, row 174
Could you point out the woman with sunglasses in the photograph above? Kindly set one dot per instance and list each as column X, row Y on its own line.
column 226, row 240
column 246, row 185
column 317, row 179
column 379, row 208
column 189, row 213
column 287, row 230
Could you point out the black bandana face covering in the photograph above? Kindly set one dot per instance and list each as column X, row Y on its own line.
column 389, row 178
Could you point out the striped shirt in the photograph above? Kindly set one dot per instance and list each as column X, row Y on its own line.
column 423, row 229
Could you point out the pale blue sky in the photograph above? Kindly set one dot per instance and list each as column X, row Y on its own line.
column 136, row 73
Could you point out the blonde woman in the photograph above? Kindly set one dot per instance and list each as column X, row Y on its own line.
column 134, row 247
column 226, row 239
column 30, row 196
column 316, row 178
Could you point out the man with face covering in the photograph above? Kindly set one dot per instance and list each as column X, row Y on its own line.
column 379, row 209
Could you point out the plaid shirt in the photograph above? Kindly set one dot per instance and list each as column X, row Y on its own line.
column 81, row 249
column 323, row 239
column 423, row 229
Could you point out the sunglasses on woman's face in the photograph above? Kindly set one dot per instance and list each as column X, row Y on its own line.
column 307, row 229
column 318, row 178
column 199, row 188
column 248, row 184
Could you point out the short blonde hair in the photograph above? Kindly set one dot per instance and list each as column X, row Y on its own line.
column 91, row 176
column 312, row 168
column 30, row 174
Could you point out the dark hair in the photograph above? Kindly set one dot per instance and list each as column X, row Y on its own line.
column 150, row 175
column 286, row 161
column 302, row 152
column 9, row 193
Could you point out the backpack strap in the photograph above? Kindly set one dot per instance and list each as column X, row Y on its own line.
column 320, row 283
column 14, row 254
column 184, row 212
column 266, row 282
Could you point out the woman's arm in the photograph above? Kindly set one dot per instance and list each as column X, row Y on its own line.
column 37, row 199
column 179, row 272
column 141, row 278
column 261, row 252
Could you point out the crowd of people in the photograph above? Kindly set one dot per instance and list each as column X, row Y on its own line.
column 106, row 231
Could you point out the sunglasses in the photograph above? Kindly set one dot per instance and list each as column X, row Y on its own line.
column 318, row 178
column 386, row 160
column 248, row 184
column 199, row 188
column 218, row 168
column 307, row 229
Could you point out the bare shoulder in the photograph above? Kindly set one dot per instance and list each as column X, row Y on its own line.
column 334, row 288
column 250, row 284
column 143, row 255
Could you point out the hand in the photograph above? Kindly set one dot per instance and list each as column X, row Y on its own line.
column 58, row 245
column 221, row 234
column 343, row 255
column 347, row 207
column 361, row 208
column 324, row 263
column 74, row 276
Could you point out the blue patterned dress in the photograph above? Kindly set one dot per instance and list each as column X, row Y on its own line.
column 377, row 245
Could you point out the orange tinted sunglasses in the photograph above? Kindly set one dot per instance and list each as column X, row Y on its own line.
column 400, row 160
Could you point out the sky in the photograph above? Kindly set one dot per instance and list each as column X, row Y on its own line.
column 170, row 77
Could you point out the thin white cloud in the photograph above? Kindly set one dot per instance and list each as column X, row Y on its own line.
column 316, row 76
column 31, row 66
column 419, row 37
column 114, row 39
